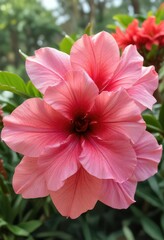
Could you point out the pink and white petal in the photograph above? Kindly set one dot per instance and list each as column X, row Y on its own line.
column 117, row 112
column 28, row 179
column 149, row 154
column 73, row 97
column 142, row 97
column 118, row 195
column 47, row 67
column 128, row 71
column 61, row 162
column 98, row 55
column 114, row 158
column 78, row 195
column 33, row 126
column 148, row 79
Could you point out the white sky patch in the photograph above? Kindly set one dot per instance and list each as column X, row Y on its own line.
column 49, row 4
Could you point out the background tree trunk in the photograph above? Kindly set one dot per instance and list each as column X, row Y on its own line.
column 136, row 6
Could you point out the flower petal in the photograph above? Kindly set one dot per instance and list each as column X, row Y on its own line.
column 98, row 55
column 47, row 67
column 71, row 98
column 148, row 156
column 79, row 194
column 117, row 112
column 28, row 179
column 148, row 79
column 142, row 97
column 144, row 88
column 61, row 162
column 128, row 71
column 33, row 126
column 114, row 158
column 118, row 195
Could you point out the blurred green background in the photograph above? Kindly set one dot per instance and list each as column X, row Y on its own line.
column 29, row 25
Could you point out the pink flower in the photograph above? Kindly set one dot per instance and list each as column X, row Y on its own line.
column 99, row 56
column 80, row 146
column 85, row 141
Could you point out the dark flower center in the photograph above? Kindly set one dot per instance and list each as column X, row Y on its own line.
column 81, row 124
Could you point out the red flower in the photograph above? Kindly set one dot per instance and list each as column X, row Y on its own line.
column 129, row 36
column 148, row 34
column 152, row 33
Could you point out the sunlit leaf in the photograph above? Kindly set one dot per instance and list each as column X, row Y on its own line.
column 30, row 226
column 13, row 83
column 17, row 230
column 66, row 44
column 89, row 29
column 128, row 233
column 123, row 20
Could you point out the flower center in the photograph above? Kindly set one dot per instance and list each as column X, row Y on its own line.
column 80, row 124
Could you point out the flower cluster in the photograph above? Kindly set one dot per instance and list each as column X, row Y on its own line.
column 85, row 141
column 149, row 34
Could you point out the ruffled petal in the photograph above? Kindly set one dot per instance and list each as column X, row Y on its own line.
column 118, row 195
column 98, row 55
column 61, row 162
column 47, row 67
column 128, row 71
column 75, row 96
column 117, row 112
column 33, row 126
column 114, row 158
column 28, row 179
column 148, row 79
column 78, row 195
column 148, row 156
column 142, row 97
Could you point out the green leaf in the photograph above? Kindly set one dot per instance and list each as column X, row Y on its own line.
column 151, row 120
column 66, row 44
column 13, row 83
column 152, row 229
column 149, row 226
column 160, row 13
column 111, row 26
column 32, row 90
column 23, row 54
column 155, row 187
column 162, row 221
column 17, row 230
column 2, row 222
column 86, row 230
column 150, row 199
column 153, row 125
column 58, row 234
column 161, row 116
column 153, row 52
column 161, row 71
column 115, row 235
column 30, row 226
column 89, row 29
column 123, row 20
column 128, row 233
